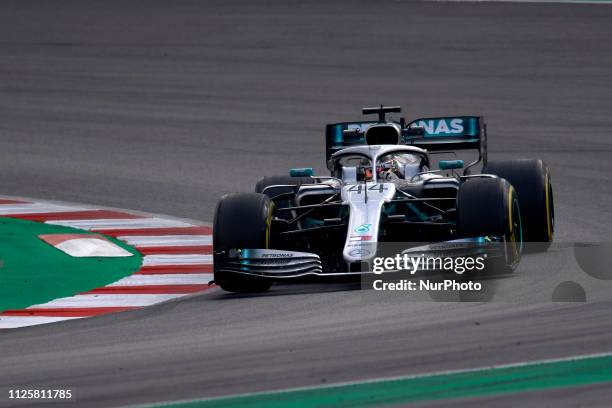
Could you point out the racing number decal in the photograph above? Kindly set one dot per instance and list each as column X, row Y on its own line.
column 358, row 188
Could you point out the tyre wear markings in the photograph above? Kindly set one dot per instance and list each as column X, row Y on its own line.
column 548, row 220
column 515, row 247
column 177, row 261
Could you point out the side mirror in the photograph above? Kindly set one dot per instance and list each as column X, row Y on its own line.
column 450, row 164
column 301, row 172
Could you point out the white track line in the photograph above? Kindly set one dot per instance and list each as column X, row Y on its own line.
column 526, row 1
column 110, row 224
column 167, row 240
column 34, row 208
column 12, row 322
column 180, row 259
column 170, row 279
column 108, row 300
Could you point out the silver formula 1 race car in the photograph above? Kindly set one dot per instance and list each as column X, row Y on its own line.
column 381, row 189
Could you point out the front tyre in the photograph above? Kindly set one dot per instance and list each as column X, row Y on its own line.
column 242, row 220
column 490, row 207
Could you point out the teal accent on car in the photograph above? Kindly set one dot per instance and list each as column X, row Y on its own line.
column 450, row 164
column 244, row 253
column 311, row 223
column 301, row 172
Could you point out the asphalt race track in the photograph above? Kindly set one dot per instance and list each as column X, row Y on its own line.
column 165, row 106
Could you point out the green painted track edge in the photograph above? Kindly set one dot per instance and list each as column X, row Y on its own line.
column 524, row 377
column 34, row 272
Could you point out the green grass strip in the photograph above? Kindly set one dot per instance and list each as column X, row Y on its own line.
column 33, row 272
column 469, row 383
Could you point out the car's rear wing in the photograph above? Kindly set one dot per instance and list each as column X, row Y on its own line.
column 438, row 134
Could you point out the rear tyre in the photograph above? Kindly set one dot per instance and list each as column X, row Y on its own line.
column 242, row 220
column 490, row 207
column 531, row 179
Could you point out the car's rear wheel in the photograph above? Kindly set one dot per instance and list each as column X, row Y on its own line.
column 531, row 179
column 490, row 207
column 242, row 220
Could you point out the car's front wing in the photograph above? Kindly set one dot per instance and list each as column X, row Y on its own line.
column 282, row 264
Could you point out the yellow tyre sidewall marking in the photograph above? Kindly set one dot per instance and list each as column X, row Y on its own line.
column 510, row 223
column 548, row 217
column 268, row 223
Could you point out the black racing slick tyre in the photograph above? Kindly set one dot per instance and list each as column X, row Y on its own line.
column 531, row 179
column 490, row 207
column 287, row 181
column 242, row 220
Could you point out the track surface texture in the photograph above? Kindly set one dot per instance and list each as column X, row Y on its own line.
column 164, row 106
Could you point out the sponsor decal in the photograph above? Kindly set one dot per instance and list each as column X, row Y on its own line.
column 358, row 244
column 361, row 238
column 363, row 228
column 362, row 127
column 360, row 252
column 283, row 255
column 441, row 127
column 276, row 261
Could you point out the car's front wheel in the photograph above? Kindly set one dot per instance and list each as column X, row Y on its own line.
column 242, row 221
column 490, row 207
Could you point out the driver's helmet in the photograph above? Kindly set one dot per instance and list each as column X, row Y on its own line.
column 388, row 169
column 364, row 171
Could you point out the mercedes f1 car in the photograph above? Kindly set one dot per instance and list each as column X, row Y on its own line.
column 382, row 189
